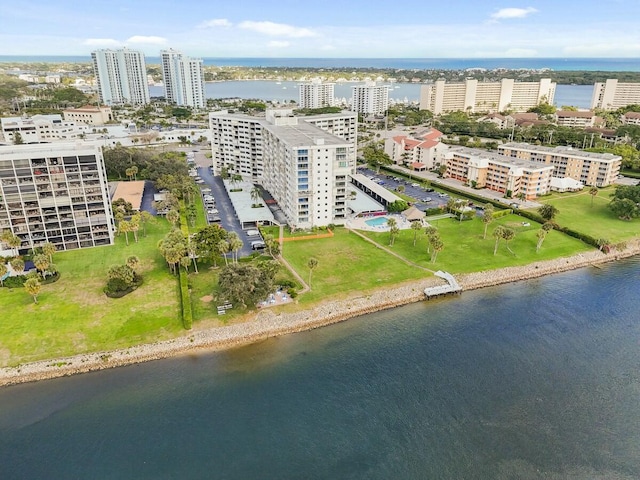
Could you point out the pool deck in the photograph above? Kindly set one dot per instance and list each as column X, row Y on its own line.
column 359, row 223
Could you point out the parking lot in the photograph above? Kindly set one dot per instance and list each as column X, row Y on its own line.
column 423, row 197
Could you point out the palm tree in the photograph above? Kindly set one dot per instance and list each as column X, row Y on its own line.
column 41, row 261
column 548, row 212
column 430, row 231
column 125, row 227
column 12, row 241
column 144, row 218
column 487, row 218
column 593, row 191
column 129, row 173
column 416, row 227
column 134, row 170
column 17, row 264
column 133, row 262
column 173, row 255
column 541, row 234
column 498, row 234
column 32, row 286
column 392, row 223
column 508, row 234
column 235, row 244
column 255, row 195
column 223, row 249
column 134, row 225
column 185, row 262
column 312, row 263
column 437, row 245
column 49, row 249
column 3, row 272
column 273, row 245
column 173, row 216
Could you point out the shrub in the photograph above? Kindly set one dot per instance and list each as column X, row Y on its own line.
column 502, row 213
column 293, row 293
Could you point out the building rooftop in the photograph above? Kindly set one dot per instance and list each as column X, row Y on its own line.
column 130, row 192
column 502, row 159
column 561, row 150
column 374, row 187
column 304, row 134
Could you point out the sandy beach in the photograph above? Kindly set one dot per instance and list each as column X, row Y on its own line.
column 266, row 323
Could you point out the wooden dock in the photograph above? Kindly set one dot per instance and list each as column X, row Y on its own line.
column 452, row 286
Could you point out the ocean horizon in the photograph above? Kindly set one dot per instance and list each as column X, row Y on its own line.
column 551, row 63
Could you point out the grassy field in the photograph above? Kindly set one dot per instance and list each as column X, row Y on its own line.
column 576, row 212
column 465, row 250
column 346, row 264
column 73, row 315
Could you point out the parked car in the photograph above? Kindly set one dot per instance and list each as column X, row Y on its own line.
column 426, row 199
column 416, row 185
column 429, row 190
column 253, row 233
column 258, row 245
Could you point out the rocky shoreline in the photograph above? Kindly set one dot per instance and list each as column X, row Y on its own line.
column 267, row 324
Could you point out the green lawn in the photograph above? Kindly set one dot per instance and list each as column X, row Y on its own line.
column 576, row 212
column 74, row 316
column 346, row 264
column 465, row 250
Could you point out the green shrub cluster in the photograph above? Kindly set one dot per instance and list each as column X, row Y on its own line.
column 502, row 213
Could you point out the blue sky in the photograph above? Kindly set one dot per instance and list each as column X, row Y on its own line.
column 325, row 28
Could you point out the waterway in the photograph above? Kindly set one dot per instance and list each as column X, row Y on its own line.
column 532, row 380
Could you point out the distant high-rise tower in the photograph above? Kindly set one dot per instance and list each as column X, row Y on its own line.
column 316, row 94
column 370, row 99
column 121, row 76
column 183, row 79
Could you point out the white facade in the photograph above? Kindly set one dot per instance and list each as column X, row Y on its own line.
column 370, row 99
column 55, row 193
column 89, row 115
column 297, row 159
column 474, row 96
column 611, row 95
column 316, row 94
column 121, row 76
column 41, row 129
column 183, row 79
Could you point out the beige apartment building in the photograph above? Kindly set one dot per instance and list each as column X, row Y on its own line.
column 568, row 118
column 483, row 169
column 592, row 169
column 611, row 95
column 473, row 96
column 89, row 115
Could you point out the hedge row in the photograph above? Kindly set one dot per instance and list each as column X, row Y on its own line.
column 185, row 296
column 588, row 239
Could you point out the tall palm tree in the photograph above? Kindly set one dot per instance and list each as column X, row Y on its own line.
column 125, row 227
column 508, row 234
column 312, row 263
column 235, row 244
column 498, row 234
column 393, row 234
column 49, row 249
column 430, row 231
column 541, row 234
column 145, row 217
column 134, row 225
column 255, row 194
column 223, row 249
column 416, row 227
column 437, row 245
column 173, row 216
column 41, row 261
column 32, row 286
column 17, row 264
column 487, row 218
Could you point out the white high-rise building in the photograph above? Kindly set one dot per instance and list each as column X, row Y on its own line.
column 611, row 95
column 183, row 79
column 55, row 192
column 474, row 96
column 316, row 94
column 370, row 99
column 121, row 76
column 304, row 162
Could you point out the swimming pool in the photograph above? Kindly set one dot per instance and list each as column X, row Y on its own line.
column 376, row 222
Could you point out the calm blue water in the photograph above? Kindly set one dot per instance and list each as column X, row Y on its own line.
column 537, row 380
column 375, row 222
column 284, row 92
column 602, row 64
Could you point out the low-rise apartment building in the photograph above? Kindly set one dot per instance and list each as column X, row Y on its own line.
column 483, row 169
column 41, row 128
column 630, row 118
column 576, row 119
column 592, row 169
column 423, row 150
column 89, row 115
column 55, row 193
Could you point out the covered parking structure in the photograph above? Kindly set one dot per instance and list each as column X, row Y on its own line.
column 248, row 216
column 375, row 191
column 130, row 192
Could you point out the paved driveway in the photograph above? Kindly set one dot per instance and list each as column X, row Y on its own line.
column 228, row 218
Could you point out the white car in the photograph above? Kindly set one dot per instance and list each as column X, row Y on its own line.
column 253, row 233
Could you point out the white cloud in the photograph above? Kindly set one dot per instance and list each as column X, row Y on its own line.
column 277, row 29
column 521, row 52
column 216, row 22
column 278, row 44
column 148, row 40
column 102, row 42
column 505, row 13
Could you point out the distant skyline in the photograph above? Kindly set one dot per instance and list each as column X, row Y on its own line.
column 341, row 29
